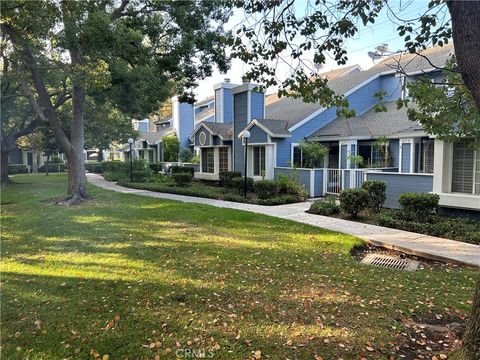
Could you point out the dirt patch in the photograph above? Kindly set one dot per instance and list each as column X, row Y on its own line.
column 430, row 336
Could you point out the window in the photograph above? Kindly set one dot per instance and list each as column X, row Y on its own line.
column 258, row 160
column 202, row 138
column 427, row 155
column 298, row 156
column 208, row 160
column 223, row 158
column 150, row 156
column 463, row 167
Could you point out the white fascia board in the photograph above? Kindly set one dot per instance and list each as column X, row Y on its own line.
column 224, row 85
column 261, row 126
column 244, row 87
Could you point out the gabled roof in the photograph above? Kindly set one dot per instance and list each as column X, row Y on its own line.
column 153, row 138
column 224, row 131
column 371, row 124
column 295, row 110
column 273, row 127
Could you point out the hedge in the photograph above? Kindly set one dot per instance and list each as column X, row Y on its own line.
column 182, row 169
column 265, row 189
column 326, row 207
column 181, row 179
column 419, row 206
column 377, row 193
column 352, row 201
column 226, row 177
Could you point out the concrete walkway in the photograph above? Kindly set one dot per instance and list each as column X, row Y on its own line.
column 412, row 243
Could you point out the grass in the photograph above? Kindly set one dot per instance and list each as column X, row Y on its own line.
column 133, row 277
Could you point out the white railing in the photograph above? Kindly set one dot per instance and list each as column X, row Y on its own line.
column 334, row 181
column 340, row 179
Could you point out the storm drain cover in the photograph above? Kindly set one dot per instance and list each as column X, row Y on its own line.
column 390, row 262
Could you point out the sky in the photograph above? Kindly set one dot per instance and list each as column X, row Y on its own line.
column 382, row 31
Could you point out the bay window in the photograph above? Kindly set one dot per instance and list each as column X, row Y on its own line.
column 223, row 159
column 208, row 160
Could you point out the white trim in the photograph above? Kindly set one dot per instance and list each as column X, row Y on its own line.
column 292, row 146
column 261, row 126
column 249, row 106
column 352, row 90
column 400, row 153
column 312, row 183
column 244, row 87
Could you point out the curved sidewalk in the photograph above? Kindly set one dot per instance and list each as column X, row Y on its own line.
column 412, row 243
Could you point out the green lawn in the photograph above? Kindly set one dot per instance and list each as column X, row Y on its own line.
column 123, row 273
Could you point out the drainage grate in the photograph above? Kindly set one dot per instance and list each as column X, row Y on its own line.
column 390, row 262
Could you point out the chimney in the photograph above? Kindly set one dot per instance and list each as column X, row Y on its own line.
column 224, row 101
column 247, row 105
column 183, row 118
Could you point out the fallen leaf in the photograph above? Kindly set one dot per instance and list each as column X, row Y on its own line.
column 257, row 354
column 369, row 348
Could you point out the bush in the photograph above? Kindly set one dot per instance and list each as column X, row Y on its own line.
column 226, row 177
column 182, row 178
column 185, row 155
column 115, row 166
column 52, row 168
column 326, row 207
column 278, row 200
column 94, row 167
column 171, row 147
column 17, row 169
column 265, row 189
column 155, row 167
column 56, row 160
column 290, row 184
column 419, row 206
column 159, row 179
column 115, row 175
column 460, row 229
column 238, row 183
column 182, row 169
column 377, row 193
column 195, row 160
column 352, row 201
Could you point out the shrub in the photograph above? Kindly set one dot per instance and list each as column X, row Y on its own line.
column 155, row 167
column 377, row 193
column 352, row 201
column 171, row 147
column 234, row 197
column 182, row 178
column 94, row 167
column 56, row 160
column 182, row 169
column 326, row 207
column 114, row 166
column 265, row 189
column 452, row 228
column 159, row 179
column 226, row 177
column 17, row 169
column 138, row 175
column 419, row 206
column 238, row 183
column 185, row 155
column 52, row 168
column 278, row 200
column 195, row 160
column 289, row 184
column 115, row 175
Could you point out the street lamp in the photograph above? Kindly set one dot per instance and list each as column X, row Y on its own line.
column 245, row 136
column 130, row 142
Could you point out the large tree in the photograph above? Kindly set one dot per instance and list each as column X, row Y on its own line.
column 276, row 30
column 127, row 53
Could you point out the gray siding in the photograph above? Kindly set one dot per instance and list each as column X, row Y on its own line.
column 304, row 179
column 398, row 184
column 257, row 107
column 318, row 183
column 197, row 135
column 406, row 158
column 239, row 123
column 257, row 135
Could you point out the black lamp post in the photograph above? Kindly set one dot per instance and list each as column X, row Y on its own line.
column 245, row 136
column 130, row 142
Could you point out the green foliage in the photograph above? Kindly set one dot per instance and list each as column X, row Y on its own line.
column 313, row 153
column 239, row 183
column 278, row 200
column 443, row 109
column 53, row 168
column 290, row 184
column 377, row 193
column 419, row 206
column 114, row 166
column 171, row 147
column 353, row 201
column 326, row 207
column 182, row 178
column 265, row 189
column 94, row 167
column 460, row 229
column 17, row 169
column 155, row 167
column 226, row 177
column 115, row 175
column 182, row 169
column 186, row 155
column 356, row 160
column 195, row 160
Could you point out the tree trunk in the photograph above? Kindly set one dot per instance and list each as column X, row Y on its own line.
column 471, row 338
column 46, row 165
column 466, row 37
column 465, row 17
column 34, row 162
column 4, row 167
